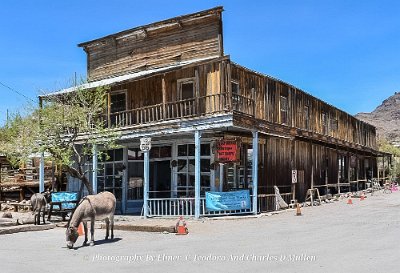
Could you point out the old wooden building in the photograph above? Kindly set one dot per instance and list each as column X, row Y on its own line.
column 215, row 126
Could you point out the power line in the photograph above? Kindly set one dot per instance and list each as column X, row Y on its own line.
column 17, row 92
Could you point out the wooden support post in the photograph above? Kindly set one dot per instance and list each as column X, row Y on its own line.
column 164, row 97
column 21, row 196
column 197, row 91
column 108, row 109
column 357, row 170
column 255, row 172
column 229, row 85
column 197, row 136
column 293, row 166
column 222, row 102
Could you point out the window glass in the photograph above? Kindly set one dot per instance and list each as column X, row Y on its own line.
column 284, row 110
column 307, row 117
column 118, row 102
column 165, row 151
column 187, row 90
column 205, row 149
column 205, row 165
column 118, row 155
column 191, row 149
column 182, row 150
column 235, row 88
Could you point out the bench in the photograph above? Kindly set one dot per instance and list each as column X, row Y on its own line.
column 62, row 203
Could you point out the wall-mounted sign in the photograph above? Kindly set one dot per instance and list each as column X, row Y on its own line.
column 231, row 200
column 294, row 176
column 228, row 150
column 145, row 144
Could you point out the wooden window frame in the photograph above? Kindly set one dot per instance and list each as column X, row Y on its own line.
column 306, row 117
column 118, row 92
column 179, row 83
column 281, row 110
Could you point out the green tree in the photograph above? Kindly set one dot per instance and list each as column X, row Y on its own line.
column 66, row 126
column 385, row 146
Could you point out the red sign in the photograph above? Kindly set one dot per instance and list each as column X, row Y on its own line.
column 227, row 150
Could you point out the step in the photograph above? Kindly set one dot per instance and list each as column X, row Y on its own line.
column 25, row 228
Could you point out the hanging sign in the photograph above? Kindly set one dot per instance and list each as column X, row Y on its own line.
column 227, row 150
column 145, row 144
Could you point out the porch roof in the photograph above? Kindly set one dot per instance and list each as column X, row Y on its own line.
column 128, row 77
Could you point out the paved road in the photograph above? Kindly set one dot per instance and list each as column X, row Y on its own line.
column 363, row 237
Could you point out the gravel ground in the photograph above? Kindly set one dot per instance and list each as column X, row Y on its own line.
column 363, row 237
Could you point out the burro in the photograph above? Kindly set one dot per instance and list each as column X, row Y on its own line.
column 91, row 208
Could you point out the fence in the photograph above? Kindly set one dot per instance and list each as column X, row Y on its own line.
column 185, row 206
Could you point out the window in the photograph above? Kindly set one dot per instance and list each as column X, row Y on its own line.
column 186, row 169
column 334, row 125
column 307, row 117
column 186, row 89
column 235, row 88
column 118, row 102
column 110, row 173
column 325, row 123
column 284, row 110
column 117, row 105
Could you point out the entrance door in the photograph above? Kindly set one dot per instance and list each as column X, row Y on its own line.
column 160, row 179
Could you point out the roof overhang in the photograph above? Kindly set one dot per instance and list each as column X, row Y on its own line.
column 132, row 76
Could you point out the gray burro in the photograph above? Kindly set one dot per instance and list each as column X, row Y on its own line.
column 91, row 208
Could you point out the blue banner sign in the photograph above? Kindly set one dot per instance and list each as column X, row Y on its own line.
column 230, row 200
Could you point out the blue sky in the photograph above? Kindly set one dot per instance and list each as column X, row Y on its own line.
column 346, row 53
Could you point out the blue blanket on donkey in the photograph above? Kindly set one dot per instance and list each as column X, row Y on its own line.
column 65, row 197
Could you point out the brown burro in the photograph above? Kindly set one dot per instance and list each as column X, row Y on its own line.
column 92, row 207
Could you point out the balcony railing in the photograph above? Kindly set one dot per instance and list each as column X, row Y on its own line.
column 210, row 104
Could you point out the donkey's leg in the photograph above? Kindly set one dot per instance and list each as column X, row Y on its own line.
column 112, row 226
column 107, row 220
column 86, row 232
column 35, row 218
column 44, row 212
column 92, row 231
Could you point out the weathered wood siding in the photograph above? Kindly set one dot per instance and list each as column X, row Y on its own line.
column 148, row 91
column 160, row 44
column 267, row 92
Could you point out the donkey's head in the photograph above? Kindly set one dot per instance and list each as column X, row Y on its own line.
column 71, row 236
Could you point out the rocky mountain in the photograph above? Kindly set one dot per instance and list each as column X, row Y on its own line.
column 386, row 119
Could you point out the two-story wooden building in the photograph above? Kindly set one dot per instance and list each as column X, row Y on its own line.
column 215, row 126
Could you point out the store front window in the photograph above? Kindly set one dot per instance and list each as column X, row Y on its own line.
column 185, row 171
column 110, row 173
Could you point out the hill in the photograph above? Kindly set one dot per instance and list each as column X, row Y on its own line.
column 386, row 119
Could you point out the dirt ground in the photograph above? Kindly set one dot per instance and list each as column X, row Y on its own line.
column 337, row 237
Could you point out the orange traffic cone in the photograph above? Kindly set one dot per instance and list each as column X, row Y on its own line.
column 298, row 210
column 81, row 230
column 180, row 227
column 349, row 201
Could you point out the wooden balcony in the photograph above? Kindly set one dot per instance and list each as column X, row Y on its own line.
column 189, row 108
